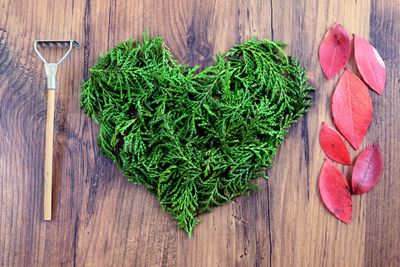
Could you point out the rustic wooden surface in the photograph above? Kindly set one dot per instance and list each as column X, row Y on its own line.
column 101, row 220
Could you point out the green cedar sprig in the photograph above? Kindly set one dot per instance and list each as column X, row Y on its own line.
column 196, row 139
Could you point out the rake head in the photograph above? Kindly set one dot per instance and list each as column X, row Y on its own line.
column 51, row 68
column 57, row 43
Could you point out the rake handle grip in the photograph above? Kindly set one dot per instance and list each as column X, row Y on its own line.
column 48, row 156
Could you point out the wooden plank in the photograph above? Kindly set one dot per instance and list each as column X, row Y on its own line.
column 26, row 239
column 215, row 26
column 120, row 224
column 383, row 202
column 102, row 220
column 300, row 225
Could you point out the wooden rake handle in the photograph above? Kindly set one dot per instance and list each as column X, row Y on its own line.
column 48, row 156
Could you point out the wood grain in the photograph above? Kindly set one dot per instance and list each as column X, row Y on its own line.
column 102, row 220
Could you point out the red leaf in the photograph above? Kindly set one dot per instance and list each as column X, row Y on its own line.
column 335, row 192
column 367, row 170
column 370, row 64
column 334, row 51
column 333, row 145
column 352, row 108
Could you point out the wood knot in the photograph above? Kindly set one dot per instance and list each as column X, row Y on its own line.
column 191, row 39
column 204, row 52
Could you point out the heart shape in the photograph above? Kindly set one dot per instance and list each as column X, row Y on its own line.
column 196, row 139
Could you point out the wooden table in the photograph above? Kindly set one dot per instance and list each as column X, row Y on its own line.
column 102, row 220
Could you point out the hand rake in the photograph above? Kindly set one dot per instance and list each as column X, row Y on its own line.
column 51, row 71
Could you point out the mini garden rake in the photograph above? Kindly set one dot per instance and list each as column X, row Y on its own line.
column 51, row 71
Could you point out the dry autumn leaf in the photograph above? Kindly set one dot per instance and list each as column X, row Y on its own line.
column 370, row 64
column 367, row 170
column 335, row 192
column 333, row 145
column 334, row 51
column 352, row 108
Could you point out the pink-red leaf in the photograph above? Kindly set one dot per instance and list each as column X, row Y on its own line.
column 352, row 108
column 333, row 145
column 335, row 192
column 370, row 64
column 367, row 170
column 334, row 51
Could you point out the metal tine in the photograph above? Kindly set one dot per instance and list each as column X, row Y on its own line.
column 42, row 44
column 64, row 44
column 76, row 44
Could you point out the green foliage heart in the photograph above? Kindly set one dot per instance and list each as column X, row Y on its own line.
column 196, row 139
